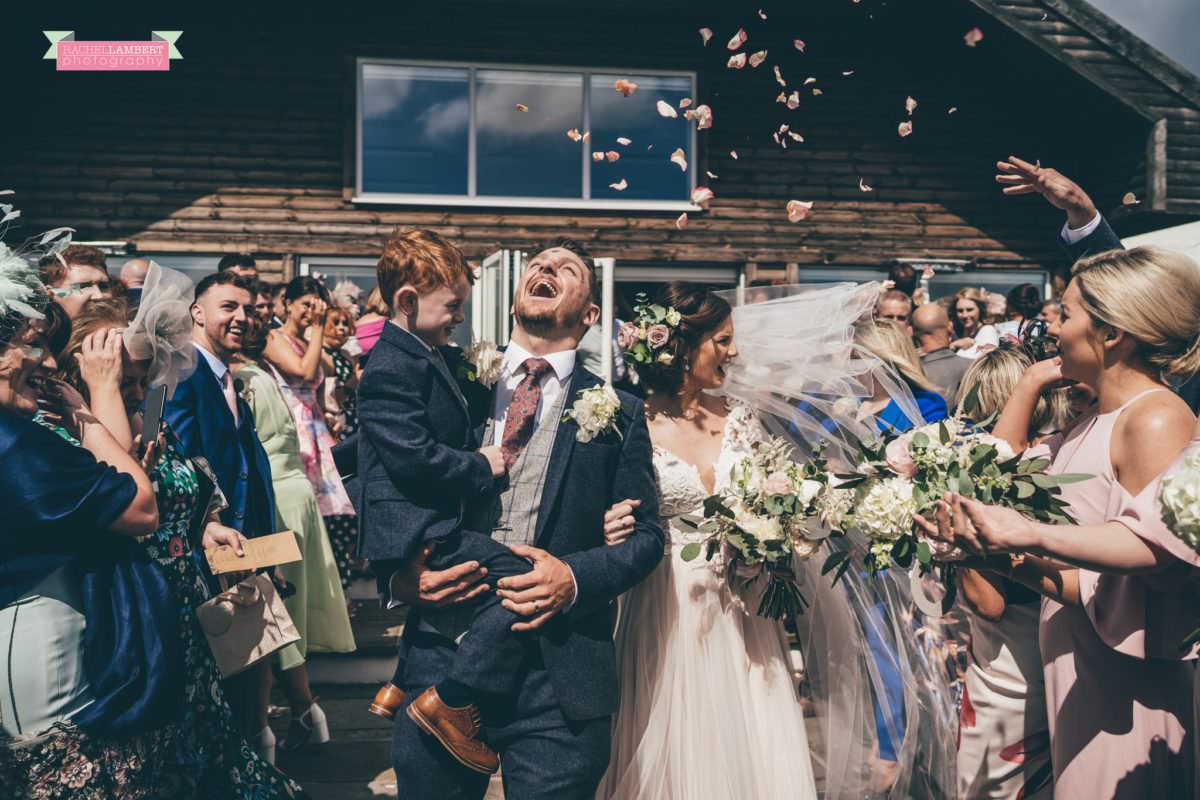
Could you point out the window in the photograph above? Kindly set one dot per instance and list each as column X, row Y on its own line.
column 457, row 135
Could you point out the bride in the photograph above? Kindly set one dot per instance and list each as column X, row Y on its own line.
column 709, row 704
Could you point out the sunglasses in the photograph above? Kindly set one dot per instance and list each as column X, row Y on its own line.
column 76, row 288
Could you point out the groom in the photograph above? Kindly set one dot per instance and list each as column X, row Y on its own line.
column 552, row 734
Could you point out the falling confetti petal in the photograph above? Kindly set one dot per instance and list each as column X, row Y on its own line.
column 587, row 135
column 793, row 100
column 862, row 185
column 574, row 135
column 701, row 114
column 621, row 140
column 847, row 73
column 905, row 128
column 665, row 109
column 799, row 43
column 612, row 156
column 620, row 186
column 524, row 109
column 712, row 175
column 817, row 92
column 973, row 37
column 685, row 102
column 797, row 137
column 625, row 87
column 758, row 58
column 809, row 81
column 736, row 62
column 779, row 77
column 597, row 155
column 701, row 196
column 952, row 109
column 910, row 105
column 1130, row 199
column 738, row 40
column 782, row 98
column 733, row 155
column 679, row 157
column 681, row 221
column 705, row 35
column 798, row 210
column 761, row 14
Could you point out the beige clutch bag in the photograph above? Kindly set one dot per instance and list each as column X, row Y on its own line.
column 245, row 624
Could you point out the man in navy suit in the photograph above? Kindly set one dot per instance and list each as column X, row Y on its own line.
column 213, row 422
column 552, row 733
column 1086, row 231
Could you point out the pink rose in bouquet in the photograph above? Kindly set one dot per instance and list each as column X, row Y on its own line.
column 658, row 335
column 777, row 483
column 628, row 335
column 898, row 459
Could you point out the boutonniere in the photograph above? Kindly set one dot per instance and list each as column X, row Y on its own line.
column 243, row 390
column 481, row 363
column 595, row 413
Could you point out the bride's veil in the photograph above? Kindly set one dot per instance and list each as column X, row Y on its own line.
column 875, row 679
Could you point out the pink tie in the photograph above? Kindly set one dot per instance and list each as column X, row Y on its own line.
column 230, row 394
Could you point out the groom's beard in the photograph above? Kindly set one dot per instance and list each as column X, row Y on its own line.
column 548, row 324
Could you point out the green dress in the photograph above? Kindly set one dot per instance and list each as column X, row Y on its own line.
column 201, row 755
column 319, row 606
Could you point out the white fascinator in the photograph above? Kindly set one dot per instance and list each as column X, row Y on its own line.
column 162, row 330
column 22, row 295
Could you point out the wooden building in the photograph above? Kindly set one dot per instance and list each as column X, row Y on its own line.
column 305, row 141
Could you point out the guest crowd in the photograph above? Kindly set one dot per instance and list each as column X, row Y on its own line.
column 1066, row 664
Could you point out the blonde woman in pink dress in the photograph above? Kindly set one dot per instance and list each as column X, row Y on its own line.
column 1118, row 598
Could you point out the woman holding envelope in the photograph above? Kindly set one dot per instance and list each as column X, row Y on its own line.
column 318, row 608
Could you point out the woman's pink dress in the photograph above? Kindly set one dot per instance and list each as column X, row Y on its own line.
column 368, row 333
column 1118, row 688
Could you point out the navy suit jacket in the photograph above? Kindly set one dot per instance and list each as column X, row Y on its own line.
column 200, row 416
column 583, row 480
column 417, row 460
column 1100, row 240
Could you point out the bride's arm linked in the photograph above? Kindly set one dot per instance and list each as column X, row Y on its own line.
column 604, row 573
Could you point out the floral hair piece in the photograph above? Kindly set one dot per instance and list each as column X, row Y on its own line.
column 644, row 338
column 22, row 294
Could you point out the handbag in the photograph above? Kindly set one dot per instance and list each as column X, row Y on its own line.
column 245, row 624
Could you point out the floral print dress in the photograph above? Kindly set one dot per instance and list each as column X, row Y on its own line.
column 199, row 756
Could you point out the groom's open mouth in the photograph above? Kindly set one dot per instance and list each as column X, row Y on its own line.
column 544, row 287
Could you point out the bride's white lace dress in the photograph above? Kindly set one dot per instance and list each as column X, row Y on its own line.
column 709, row 706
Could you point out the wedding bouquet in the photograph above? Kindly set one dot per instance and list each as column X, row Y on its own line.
column 1179, row 500
column 899, row 475
column 774, row 510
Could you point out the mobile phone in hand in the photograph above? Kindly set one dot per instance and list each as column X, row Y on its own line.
column 153, row 417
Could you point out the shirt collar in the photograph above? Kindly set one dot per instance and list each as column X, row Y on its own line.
column 218, row 366
column 562, row 362
column 413, row 335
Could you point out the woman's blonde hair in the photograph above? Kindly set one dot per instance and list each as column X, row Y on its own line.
column 996, row 373
column 888, row 341
column 98, row 314
column 375, row 303
column 977, row 297
column 1154, row 296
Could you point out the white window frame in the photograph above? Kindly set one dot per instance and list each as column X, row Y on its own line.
column 607, row 204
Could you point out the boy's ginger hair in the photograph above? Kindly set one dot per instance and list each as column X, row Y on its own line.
column 423, row 258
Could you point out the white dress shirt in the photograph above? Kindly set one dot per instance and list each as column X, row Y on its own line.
column 512, row 372
column 218, row 367
column 1072, row 235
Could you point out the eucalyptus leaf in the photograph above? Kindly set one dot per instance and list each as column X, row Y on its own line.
column 690, row 551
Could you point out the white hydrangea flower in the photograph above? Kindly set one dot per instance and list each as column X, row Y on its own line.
column 1179, row 498
column 885, row 509
column 809, row 489
column 486, row 362
column 595, row 412
column 834, row 504
column 764, row 529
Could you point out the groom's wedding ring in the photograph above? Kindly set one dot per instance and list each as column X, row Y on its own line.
column 536, row 606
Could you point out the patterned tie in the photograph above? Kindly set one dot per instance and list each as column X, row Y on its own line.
column 522, row 410
column 230, row 394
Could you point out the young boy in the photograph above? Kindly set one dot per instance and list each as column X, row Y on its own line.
column 421, row 467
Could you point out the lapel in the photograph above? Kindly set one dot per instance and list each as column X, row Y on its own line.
column 564, row 446
column 393, row 334
column 207, row 382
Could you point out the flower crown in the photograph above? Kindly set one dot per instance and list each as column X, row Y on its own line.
column 644, row 338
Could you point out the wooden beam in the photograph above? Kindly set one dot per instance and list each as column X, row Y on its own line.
column 1156, row 166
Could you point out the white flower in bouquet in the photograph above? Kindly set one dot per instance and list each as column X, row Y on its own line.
column 1179, row 498
column 809, row 491
column 1003, row 448
column 834, row 505
column 595, row 412
column 764, row 529
column 485, row 361
column 885, row 508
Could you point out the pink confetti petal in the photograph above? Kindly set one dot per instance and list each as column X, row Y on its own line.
column 799, row 45
column 738, row 40
column 711, row 175
column 862, row 185
column 625, row 87
column 910, row 105
column 905, row 128
column 597, row 155
column 624, row 142
column 612, row 156
column 779, row 77
column 620, row 185
column 973, row 37
column 761, row 14
column 795, row 136
column 586, row 136
column 701, row 115
column 847, row 73
column 733, row 155
column 524, row 109
column 574, row 135
column 665, row 109
column 702, row 196
column 679, row 157
column 705, row 35
column 952, row 109
column 681, row 221
column 1130, row 199
column 685, row 102
column 736, row 62
column 809, row 81
column 817, row 92
column 758, row 58
column 798, row 210
column 793, row 100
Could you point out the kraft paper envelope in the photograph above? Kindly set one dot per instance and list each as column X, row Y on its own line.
column 263, row 551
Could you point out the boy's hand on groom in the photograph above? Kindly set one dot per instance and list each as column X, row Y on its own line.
column 495, row 458
column 540, row 593
column 417, row 584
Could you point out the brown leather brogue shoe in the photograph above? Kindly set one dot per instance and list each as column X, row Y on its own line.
column 387, row 701
column 455, row 729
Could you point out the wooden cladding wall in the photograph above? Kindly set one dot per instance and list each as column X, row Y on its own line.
column 242, row 145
